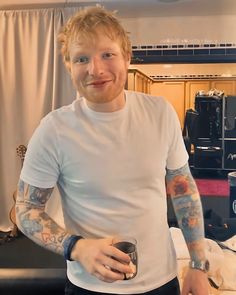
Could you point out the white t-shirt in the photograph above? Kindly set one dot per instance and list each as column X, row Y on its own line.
column 110, row 170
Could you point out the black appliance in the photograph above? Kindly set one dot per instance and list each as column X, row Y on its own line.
column 211, row 131
column 210, row 116
column 208, row 143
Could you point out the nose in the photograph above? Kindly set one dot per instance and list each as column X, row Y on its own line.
column 95, row 66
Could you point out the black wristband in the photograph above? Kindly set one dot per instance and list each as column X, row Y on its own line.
column 68, row 246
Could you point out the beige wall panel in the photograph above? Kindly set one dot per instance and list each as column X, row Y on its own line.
column 173, row 30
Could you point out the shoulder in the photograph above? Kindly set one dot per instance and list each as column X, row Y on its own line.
column 51, row 125
column 60, row 115
column 140, row 95
column 154, row 103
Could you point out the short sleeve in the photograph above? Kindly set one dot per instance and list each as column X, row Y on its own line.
column 41, row 164
column 177, row 154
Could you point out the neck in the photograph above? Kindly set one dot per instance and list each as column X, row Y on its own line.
column 108, row 107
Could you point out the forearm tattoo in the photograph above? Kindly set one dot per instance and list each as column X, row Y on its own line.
column 183, row 191
column 34, row 222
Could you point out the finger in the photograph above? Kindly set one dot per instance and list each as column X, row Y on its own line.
column 107, row 275
column 117, row 266
column 184, row 291
column 117, row 254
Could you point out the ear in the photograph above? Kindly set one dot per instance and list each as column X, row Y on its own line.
column 128, row 61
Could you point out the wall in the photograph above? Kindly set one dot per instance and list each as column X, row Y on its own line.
column 192, row 29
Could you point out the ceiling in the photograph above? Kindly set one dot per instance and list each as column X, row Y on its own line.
column 139, row 8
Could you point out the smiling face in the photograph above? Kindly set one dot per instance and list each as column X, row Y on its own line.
column 99, row 70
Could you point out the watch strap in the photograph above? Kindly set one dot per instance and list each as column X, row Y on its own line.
column 69, row 244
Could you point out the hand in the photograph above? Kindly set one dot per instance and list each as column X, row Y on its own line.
column 101, row 259
column 195, row 283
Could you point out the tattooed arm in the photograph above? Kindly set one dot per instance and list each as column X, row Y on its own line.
column 34, row 222
column 97, row 256
column 186, row 201
column 185, row 197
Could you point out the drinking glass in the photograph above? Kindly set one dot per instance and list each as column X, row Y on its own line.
column 128, row 245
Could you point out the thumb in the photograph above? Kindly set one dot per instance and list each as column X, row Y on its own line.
column 185, row 289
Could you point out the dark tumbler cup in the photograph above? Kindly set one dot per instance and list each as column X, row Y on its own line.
column 232, row 195
column 128, row 245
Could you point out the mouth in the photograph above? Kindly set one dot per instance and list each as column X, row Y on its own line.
column 98, row 83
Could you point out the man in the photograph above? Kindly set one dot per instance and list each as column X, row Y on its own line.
column 112, row 153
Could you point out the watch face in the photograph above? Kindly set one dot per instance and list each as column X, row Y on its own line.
column 201, row 265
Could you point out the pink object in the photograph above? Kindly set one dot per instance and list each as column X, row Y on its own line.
column 213, row 187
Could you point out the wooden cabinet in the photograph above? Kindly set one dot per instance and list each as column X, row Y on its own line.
column 192, row 87
column 229, row 87
column 174, row 92
column 138, row 81
column 180, row 93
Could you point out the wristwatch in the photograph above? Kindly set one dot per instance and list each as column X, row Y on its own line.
column 202, row 265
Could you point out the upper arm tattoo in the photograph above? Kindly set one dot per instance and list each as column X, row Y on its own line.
column 33, row 196
column 34, row 221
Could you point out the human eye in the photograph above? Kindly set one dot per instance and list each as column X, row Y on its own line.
column 81, row 59
column 108, row 55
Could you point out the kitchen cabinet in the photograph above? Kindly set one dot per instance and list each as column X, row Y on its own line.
column 228, row 87
column 138, row 81
column 173, row 91
column 182, row 93
column 192, row 87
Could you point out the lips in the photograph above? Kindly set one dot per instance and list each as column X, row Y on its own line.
column 98, row 83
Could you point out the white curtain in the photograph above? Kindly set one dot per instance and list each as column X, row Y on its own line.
column 33, row 81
